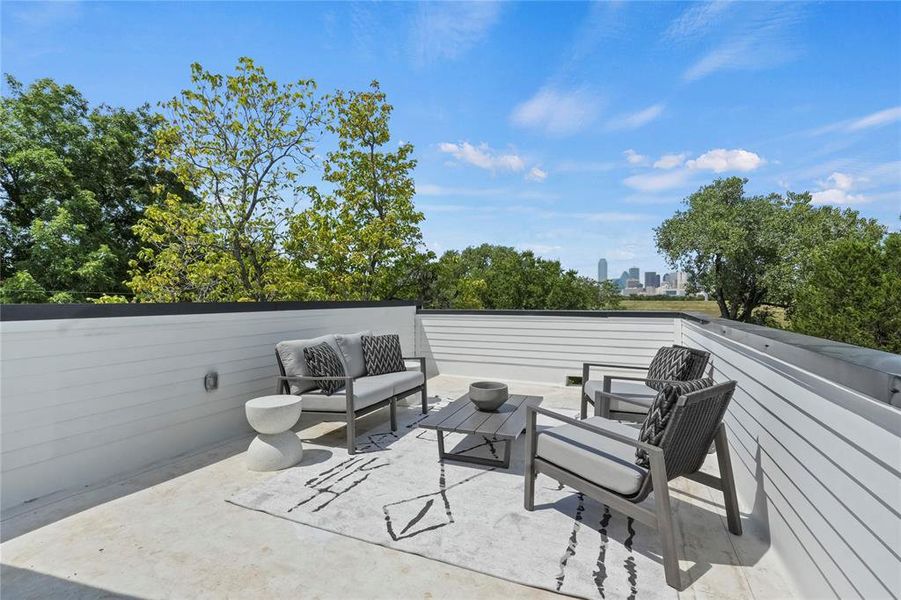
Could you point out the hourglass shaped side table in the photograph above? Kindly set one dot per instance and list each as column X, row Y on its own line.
column 276, row 447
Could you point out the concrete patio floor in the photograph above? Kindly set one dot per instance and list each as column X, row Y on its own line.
column 167, row 532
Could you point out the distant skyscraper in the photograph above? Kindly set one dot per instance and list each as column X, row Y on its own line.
column 651, row 279
column 633, row 273
column 621, row 282
column 602, row 270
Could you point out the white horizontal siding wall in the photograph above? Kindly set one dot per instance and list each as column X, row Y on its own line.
column 819, row 468
column 85, row 399
column 534, row 348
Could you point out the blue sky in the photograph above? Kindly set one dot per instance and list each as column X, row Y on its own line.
column 568, row 128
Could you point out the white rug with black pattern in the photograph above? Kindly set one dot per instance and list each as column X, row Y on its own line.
column 396, row 493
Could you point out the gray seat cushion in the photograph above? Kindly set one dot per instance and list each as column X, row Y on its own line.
column 640, row 396
column 405, row 380
column 367, row 391
column 351, row 346
column 605, row 462
column 290, row 352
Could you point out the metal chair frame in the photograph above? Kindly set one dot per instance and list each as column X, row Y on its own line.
column 608, row 381
column 662, row 465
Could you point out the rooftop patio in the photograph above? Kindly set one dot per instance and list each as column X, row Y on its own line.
column 117, row 464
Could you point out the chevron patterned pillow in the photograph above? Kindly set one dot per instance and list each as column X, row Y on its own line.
column 323, row 361
column 382, row 354
column 669, row 364
column 661, row 410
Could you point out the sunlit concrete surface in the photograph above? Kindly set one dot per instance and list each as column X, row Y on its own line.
column 167, row 532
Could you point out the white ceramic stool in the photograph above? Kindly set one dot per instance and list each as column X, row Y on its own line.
column 276, row 447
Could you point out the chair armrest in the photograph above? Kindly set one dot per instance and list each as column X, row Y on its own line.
column 421, row 360
column 612, row 366
column 592, row 428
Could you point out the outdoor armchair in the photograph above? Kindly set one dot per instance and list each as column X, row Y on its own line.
column 697, row 363
column 597, row 457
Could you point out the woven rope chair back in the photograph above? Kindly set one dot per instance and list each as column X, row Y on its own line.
column 692, row 427
column 690, row 432
column 699, row 360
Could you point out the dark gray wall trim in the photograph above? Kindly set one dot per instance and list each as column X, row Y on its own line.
column 599, row 314
column 41, row 312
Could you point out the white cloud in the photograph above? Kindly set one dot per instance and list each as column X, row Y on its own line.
column 446, row 30
column 837, row 190
column 837, row 196
column 656, row 182
column 698, row 19
column 721, row 160
column 634, row 158
column 536, row 174
column 557, row 112
column 876, row 119
column 842, row 181
column 758, row 37
column 636, row 119
column 483, row 156
column 669, row 161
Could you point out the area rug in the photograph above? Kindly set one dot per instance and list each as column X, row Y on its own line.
column 396, row 493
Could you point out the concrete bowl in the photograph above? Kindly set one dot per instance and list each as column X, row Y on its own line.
column 488, row 395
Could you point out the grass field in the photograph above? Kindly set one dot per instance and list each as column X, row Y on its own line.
column 701, row 306
column 707, row 307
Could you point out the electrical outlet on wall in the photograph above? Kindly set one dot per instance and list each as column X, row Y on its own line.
column 211, row 381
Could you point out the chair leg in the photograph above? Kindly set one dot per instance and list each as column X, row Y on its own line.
column 583, row 407
column 601, row 406
column 727, row 479
column 529, row 484
column 666, row 525
column 350, row 416
column 425, row 398
column 392, row 407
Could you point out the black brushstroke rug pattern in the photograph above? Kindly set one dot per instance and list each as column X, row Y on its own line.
column 396, row 493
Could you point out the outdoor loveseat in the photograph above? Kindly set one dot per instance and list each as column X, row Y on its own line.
column 361, row 393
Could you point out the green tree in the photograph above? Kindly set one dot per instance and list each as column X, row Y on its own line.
column 499, row 277
column 362, row 240
column 241, row 143
column 748, row 252
column 74, row 180
column 851, row 293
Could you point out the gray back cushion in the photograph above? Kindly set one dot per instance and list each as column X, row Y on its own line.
column 291, row 354
column 351, row 347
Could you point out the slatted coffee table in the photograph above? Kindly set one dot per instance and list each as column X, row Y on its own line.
column 461, row 416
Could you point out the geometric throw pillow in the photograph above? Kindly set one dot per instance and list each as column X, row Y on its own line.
column 661, row 410
column 323, row 361
column 382, row 354
column 669, row 364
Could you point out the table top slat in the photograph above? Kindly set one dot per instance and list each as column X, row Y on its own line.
column 513, row 426
column 502, row 415
column 434, row 420
column 461, row 416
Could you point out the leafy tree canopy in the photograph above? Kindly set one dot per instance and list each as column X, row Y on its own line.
column 499, row 277
column 751, row 251
column 241, row 143
column 362, row 240
column 851, row 293
column 74, row 180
